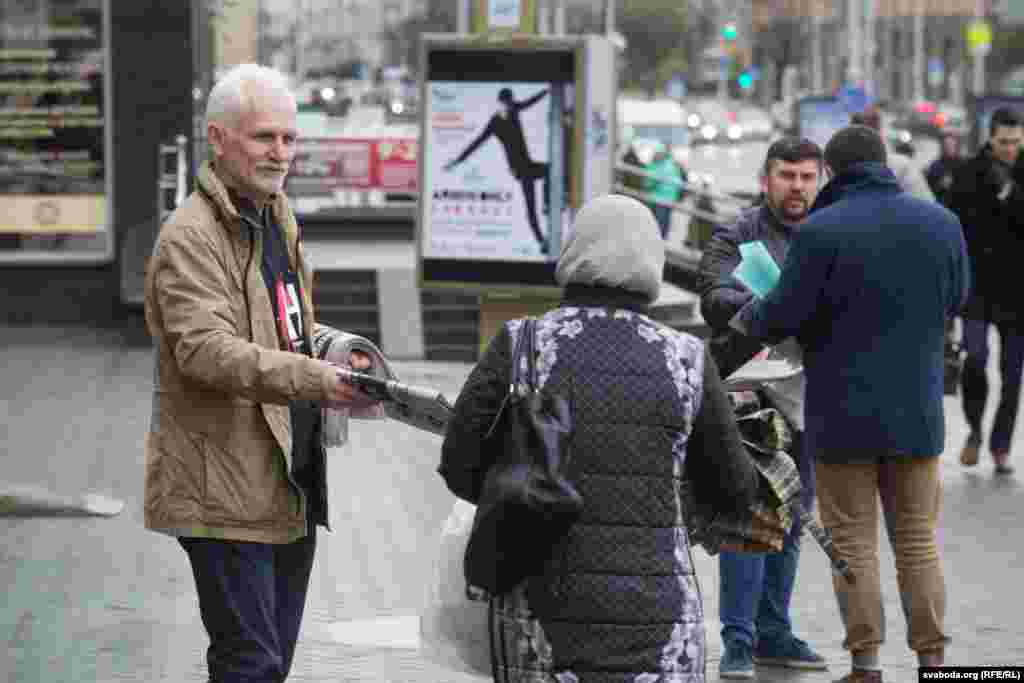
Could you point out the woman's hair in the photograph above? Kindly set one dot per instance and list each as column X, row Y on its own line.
column 229, row 97
column 854, row 145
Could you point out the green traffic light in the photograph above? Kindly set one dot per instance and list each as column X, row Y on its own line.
column 729, row 31
column 746, row 81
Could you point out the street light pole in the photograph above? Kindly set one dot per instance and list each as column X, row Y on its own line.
column 918, row 64
column 609, row 17
column 855, row 40
column 870, row 45
column 817, row 68
column 462, row 17
column 558, row 20
column 979, row 55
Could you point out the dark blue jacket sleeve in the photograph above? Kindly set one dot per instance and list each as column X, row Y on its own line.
column 799, row 294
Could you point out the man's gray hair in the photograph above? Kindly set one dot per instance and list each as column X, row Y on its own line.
column 229, row 96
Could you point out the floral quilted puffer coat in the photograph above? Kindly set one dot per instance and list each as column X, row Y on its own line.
column 619, row 601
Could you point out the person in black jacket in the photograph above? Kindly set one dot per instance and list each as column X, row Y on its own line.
column 755, row 589
column 940, row 172
column 988, row 196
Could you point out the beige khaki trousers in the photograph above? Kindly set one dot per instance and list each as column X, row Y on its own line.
column 911, row 496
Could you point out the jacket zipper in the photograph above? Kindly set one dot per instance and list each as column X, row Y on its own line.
column 256, row 244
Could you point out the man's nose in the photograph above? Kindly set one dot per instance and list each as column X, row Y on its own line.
column 281, row 150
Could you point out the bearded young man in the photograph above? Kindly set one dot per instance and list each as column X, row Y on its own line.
column 756, row 589
column 869, row 281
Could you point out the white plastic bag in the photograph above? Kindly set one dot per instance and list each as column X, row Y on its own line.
column 453, row 629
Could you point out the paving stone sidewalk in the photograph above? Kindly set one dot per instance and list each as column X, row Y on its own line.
column 90, row 599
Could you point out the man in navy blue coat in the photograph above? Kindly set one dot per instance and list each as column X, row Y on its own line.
column 866, row 288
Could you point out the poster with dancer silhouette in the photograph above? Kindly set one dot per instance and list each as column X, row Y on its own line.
column 498, row 149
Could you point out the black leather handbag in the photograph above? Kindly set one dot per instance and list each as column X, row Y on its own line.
column 526, row 504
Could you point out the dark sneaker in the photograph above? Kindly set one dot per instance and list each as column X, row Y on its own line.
column 792, row 654
column 861, row 676
column 736, row 661
column 1002, row 466
column 969, row 454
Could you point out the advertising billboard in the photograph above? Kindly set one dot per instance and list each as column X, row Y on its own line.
column 54, row 138
column 819, row 118
column 505, row 16
column 492, row 144
column 513, row 139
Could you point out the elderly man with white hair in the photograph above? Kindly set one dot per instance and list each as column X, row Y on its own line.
column 235, row 466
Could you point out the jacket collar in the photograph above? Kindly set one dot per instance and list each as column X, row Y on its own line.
column 211, row 185
column 857, row 178
column 985, row 154
column 768, row 217
column 576, row 294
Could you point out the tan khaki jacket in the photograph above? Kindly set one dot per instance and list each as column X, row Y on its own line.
column 218, row 450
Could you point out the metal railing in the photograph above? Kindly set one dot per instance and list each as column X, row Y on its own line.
column 689, row 187
column 172, row 177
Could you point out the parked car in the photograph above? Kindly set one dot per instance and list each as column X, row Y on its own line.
column 661, row 120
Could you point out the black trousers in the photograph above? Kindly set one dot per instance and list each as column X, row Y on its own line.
column 975, row 381
column 251, row 598
column 527, row 180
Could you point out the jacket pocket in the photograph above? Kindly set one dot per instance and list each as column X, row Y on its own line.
column 245, row 484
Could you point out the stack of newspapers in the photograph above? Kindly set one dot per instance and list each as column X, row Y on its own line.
column 420, row 407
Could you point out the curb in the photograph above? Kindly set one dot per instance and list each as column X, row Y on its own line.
column 24, row 500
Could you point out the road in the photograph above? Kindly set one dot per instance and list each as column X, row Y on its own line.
column 102, row 600
column 735, row 168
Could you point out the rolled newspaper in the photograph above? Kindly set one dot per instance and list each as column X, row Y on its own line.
column 420, row 407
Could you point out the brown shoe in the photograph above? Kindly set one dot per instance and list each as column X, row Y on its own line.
column 969, row 454
column 861, row 676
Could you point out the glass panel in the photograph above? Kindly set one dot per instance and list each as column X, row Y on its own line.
column 53, row 135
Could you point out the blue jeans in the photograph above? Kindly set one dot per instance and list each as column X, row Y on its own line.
column 975, row 382
column 251, row 599
column 663, row 215
column 755, row 589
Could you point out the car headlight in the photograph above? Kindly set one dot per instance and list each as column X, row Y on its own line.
column 693, row 120
column 397, row 107
column 735, row 132
column 709, row 132
column 328, row 94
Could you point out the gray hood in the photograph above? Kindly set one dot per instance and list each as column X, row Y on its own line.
column 615, row 242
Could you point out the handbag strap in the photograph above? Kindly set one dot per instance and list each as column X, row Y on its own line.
column 525, row 350
column 524, row 345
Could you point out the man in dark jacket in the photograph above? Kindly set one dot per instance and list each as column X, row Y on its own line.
column 988, row 196
column 755, row 588
column 871, row 330
column 941, row 171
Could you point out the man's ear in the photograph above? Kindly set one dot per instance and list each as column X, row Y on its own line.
column 216, row 135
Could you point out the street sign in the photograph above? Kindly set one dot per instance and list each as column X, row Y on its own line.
column 854, row 98
column 979, row 37
column 1009, row 11
column 936, row 72
column 675, row 87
